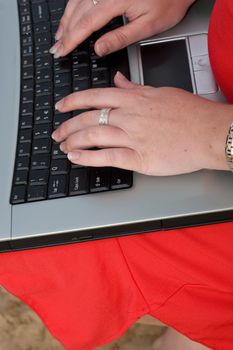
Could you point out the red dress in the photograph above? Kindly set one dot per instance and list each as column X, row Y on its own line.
column 89, row 294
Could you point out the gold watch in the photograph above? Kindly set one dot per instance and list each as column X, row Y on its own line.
column 229, row 148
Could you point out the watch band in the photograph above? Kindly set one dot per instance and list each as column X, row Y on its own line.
column 229, row 148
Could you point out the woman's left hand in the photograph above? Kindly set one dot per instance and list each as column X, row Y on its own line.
column 163, row 131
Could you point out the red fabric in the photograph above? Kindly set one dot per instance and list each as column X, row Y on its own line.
column 89, row 294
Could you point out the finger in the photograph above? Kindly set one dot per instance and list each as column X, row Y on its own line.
column 102, row 137
column 122, row 82
column 123, row 158
column 91, row 21
column 122, row 36
column 93, row 98
column 86, row 120
column 70, row 7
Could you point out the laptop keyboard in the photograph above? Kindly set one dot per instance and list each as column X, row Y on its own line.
column 42, row 171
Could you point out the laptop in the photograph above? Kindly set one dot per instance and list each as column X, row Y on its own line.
column 42, row 199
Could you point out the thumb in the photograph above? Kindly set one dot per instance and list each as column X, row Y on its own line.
column 121, row 37
column 122, row 82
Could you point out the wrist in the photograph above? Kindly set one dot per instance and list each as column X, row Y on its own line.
column 216, row 136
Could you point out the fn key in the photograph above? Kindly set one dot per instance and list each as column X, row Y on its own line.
column 57, row 186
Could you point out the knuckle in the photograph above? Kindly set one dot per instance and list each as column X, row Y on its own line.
column 111, row 157
column 92, row 135
column 121, row 37
column 86, row 23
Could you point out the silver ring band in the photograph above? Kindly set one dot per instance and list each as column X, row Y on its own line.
column 104, row 116
column 95, row 2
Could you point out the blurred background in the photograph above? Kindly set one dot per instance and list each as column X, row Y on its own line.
column 21, row 329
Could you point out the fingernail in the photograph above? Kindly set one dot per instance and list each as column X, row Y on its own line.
column 59, row 33
column 120, row 75
column 54, row 136
column 53, row 50
column 62, row 147
column 58, row 105
column 73, row 155
column 102, row 48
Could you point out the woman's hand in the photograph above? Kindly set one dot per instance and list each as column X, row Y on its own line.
column 162, row 131
column 146, row 18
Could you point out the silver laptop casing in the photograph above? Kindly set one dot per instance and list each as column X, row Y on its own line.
column 153, row 203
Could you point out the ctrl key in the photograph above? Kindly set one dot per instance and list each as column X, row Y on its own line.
column 18, row 194
column 36, row 193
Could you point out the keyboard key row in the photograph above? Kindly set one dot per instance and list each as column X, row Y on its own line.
column 80, row 181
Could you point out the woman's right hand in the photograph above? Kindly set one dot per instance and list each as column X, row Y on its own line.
column 145, row 18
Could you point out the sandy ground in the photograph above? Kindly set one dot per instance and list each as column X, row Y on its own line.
column 21, row 329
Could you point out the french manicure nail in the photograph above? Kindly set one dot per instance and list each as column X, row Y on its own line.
column 54, row 136
column 53, row 50
column 73, row 155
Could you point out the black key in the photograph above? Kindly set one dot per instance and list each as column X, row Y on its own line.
column 56, row 6
column 44, row 101
column 38, row 177
column 27, row 50
column 21, row 177
column 79, row 181
column 27, row 61
column 40, row 161
column 24, row 149
column 25, row 122
column 27, row 96
column 80, row 85
column 61, row 91
column 56, row 17
column 27, row 73
column 83, row 48
column 81, row 72
column 27, row 40
column 99, row 76
column 44, row 88
column 41, row 146
column 36, row 193
column 56, row 152
column 61, row 79
column 42, row 131
column 22, row 163
column 121, row 178
column 25, row 18
column 27, row 85
column 23, row 2
column 57, row 186
column 62, row 65
column 40, row 12
column 81, row 58
column 26, row 29
column 24, row 9
column 98, row 63
column 44, row 74
column 42, row 50
column 25, row 135
column 43, row 38
column 43, row 61
column 43, row 116
column 60, row 118
column 55, row 26
column 59, row 166
column 18, row 194
column 26, row 109
column 42, row 27
column 99, row 180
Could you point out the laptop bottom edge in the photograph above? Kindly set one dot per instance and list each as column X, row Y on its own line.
column 116, row 231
